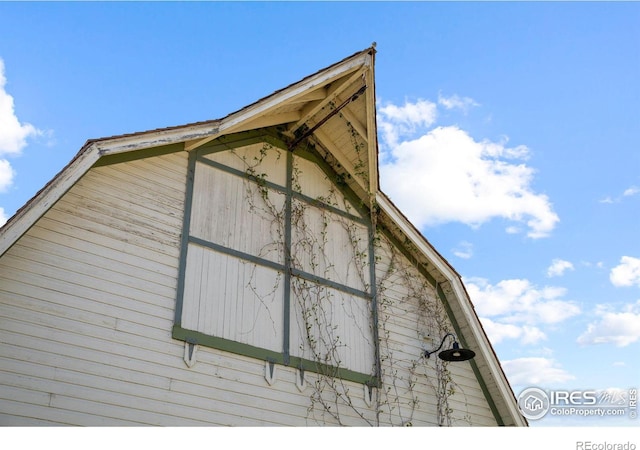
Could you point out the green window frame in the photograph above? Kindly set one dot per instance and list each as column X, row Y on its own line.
column 289, row 272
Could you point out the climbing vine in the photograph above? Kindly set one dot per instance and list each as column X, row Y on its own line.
column 405, row 300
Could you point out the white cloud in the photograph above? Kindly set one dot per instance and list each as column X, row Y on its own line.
column 544, row 351
column 444, row 175
column 6, row 175
column 607, row 200
column 627, row 273
column 457, row 102
column 464, row 250
column 497, row 332
column 629, row 192
column 516, row 309
column 620, row 328
column 558, row 268
column 13, row 137
column 535, row 371
column 13, row 134
column 518, row 301
column 396, row 121
column 597, row 265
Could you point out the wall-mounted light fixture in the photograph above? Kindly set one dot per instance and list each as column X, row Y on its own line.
column 455, row 353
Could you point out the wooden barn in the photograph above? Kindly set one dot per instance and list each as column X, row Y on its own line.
column 245, row 271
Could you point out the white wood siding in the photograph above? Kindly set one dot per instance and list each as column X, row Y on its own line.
column 87, row 304
column 412, row 319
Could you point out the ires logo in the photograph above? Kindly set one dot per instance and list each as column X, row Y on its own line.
column 534, row 403
column 574, row 398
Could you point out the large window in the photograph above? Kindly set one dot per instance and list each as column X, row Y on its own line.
column 276, row 260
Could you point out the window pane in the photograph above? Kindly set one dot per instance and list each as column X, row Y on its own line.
column 331, row 327
column 233, row 299
column 261, row 159
column 236, row 213
column 330, row 246
column 312, row 181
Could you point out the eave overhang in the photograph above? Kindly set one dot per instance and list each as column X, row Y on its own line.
column 349, row 136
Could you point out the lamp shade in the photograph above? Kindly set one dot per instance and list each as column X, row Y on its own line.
column 456, row 354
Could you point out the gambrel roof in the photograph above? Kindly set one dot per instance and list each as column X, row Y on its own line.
column 334, row 109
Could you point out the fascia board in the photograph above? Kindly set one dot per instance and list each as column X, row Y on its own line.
column 436, row 260
column 143, row 140
column 47, row 197
column 233, row 122
column 202, row 133
column 298, row 89
column 372, row 138
column 82, row 162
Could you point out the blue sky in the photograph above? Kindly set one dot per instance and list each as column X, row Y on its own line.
column 509, row 134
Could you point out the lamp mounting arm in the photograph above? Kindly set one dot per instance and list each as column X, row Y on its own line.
column 428, row 353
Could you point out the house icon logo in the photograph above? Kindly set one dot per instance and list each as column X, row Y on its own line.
column 533, row 403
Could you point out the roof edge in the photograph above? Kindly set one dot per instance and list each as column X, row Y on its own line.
column 233, row 122
column 202, row 132
column 40, row 203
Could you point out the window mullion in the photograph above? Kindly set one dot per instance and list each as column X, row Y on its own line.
column 287, row 260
